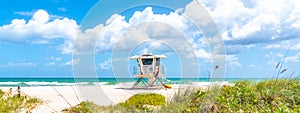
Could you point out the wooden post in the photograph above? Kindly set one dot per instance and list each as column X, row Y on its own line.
column 19, row 91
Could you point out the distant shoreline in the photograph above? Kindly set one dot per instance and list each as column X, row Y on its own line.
column 11, row 82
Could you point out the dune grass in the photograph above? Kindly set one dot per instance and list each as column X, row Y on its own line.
column 282, row 95
column 276, row 95
column 17, row 104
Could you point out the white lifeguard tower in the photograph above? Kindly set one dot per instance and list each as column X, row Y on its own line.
column 148, row 67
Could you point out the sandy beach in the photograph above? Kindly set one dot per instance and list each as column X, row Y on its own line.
column 52, row 101
column 57, row 98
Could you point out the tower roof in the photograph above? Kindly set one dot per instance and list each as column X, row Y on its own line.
column 145, row 56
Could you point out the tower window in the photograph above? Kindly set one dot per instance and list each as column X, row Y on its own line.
column 147, row 61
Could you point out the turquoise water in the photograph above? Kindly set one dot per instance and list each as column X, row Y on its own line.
column 92, row 81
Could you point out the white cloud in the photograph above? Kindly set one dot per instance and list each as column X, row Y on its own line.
column 274, row 55
column 39, row 29
column 106, row 64
column 201, row 53
column 50, row 64
column 52, row 58
column 295, row 58
column 279, row 57
column 40, row 16
column 85, row 41
column 240, row 23
column 296, row 24
column 68, row 63
column 62, row 9
column 229, row 10
column 272, row 46
column 231, row 60
column 234, row 64
column 250, row 22
column 154, row 44
column 74, row 62
column 293, row 44
column 118, row 31
column 144, row 51
column 20, row 64
column 41, row 42
column 67, row 47
column 52, row 61
column 28, row 13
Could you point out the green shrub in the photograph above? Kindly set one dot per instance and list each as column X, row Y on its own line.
column 140, row 101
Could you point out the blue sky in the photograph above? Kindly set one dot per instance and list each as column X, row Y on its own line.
column 37, row 37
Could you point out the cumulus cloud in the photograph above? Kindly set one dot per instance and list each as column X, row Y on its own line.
column 242, row 24
column 40, row 29
column 143, row 26
column 201, row 53
column 250, row 22
column 139, row 30
column 85, row 41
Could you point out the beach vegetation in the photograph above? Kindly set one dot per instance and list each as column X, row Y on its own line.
column 83, row 107
column 15, row 103
column 279, row 95
column 274, row 95
column 145, row 101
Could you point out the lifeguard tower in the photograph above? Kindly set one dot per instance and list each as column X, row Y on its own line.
column 148, row 67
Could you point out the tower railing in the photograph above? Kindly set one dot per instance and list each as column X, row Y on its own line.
column 148, row 70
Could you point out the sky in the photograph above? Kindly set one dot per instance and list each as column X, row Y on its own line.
column 43, row 39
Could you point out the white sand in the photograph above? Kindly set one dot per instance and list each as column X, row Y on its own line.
column 102, row 95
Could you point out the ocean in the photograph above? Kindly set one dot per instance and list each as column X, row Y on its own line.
column 8, row 82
